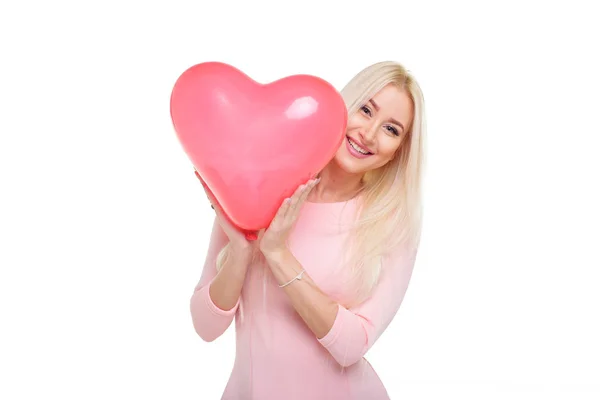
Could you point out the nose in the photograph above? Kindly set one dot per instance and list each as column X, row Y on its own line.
column 368, row 134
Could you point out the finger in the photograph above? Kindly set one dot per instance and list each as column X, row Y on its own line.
column 310, row 185
column 295, row 198
column 299, row 191
column 214, row 204
column 209, row 196
column 260, row 235
column 217, row 209
column 303, row 194
column 202, row 182
column 281, row 213
column 295, row 211
column 232, row 232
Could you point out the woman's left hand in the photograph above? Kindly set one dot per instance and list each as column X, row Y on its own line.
column 274, row 238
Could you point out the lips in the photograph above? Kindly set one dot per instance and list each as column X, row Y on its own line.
column 358, row 147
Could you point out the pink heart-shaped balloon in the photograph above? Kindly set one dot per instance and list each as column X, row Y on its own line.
column 254, row 144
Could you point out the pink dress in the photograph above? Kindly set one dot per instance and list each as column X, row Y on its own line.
column 277, row 355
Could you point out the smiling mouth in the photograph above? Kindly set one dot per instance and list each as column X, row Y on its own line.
column 356, row 147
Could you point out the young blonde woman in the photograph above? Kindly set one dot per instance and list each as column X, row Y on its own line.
column 324, row 281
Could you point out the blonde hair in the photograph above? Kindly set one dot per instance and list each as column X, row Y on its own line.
column 390, row 211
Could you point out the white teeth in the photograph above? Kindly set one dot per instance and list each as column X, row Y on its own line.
column 355, row 147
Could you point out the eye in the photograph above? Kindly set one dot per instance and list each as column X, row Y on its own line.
column 366, row 110
column 392, row 130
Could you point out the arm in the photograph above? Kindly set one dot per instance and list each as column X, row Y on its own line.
column 315, row 307
column 346, row 333
column 216, row 297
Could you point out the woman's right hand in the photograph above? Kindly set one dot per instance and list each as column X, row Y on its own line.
column 237, row 239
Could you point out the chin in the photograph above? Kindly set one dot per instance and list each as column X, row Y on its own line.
column 350, row 165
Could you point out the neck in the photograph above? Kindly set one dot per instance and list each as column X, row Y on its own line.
column 336, row 185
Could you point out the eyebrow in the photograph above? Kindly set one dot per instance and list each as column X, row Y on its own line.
column 392, row 120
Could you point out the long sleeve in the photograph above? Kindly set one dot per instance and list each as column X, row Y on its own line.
column 210, row 321
column 355, row 330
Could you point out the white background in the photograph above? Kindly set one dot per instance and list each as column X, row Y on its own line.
column 104, row 226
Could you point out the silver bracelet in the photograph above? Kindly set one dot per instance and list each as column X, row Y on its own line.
column 299, row 277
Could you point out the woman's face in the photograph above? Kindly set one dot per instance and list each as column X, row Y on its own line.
column 375, row 131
